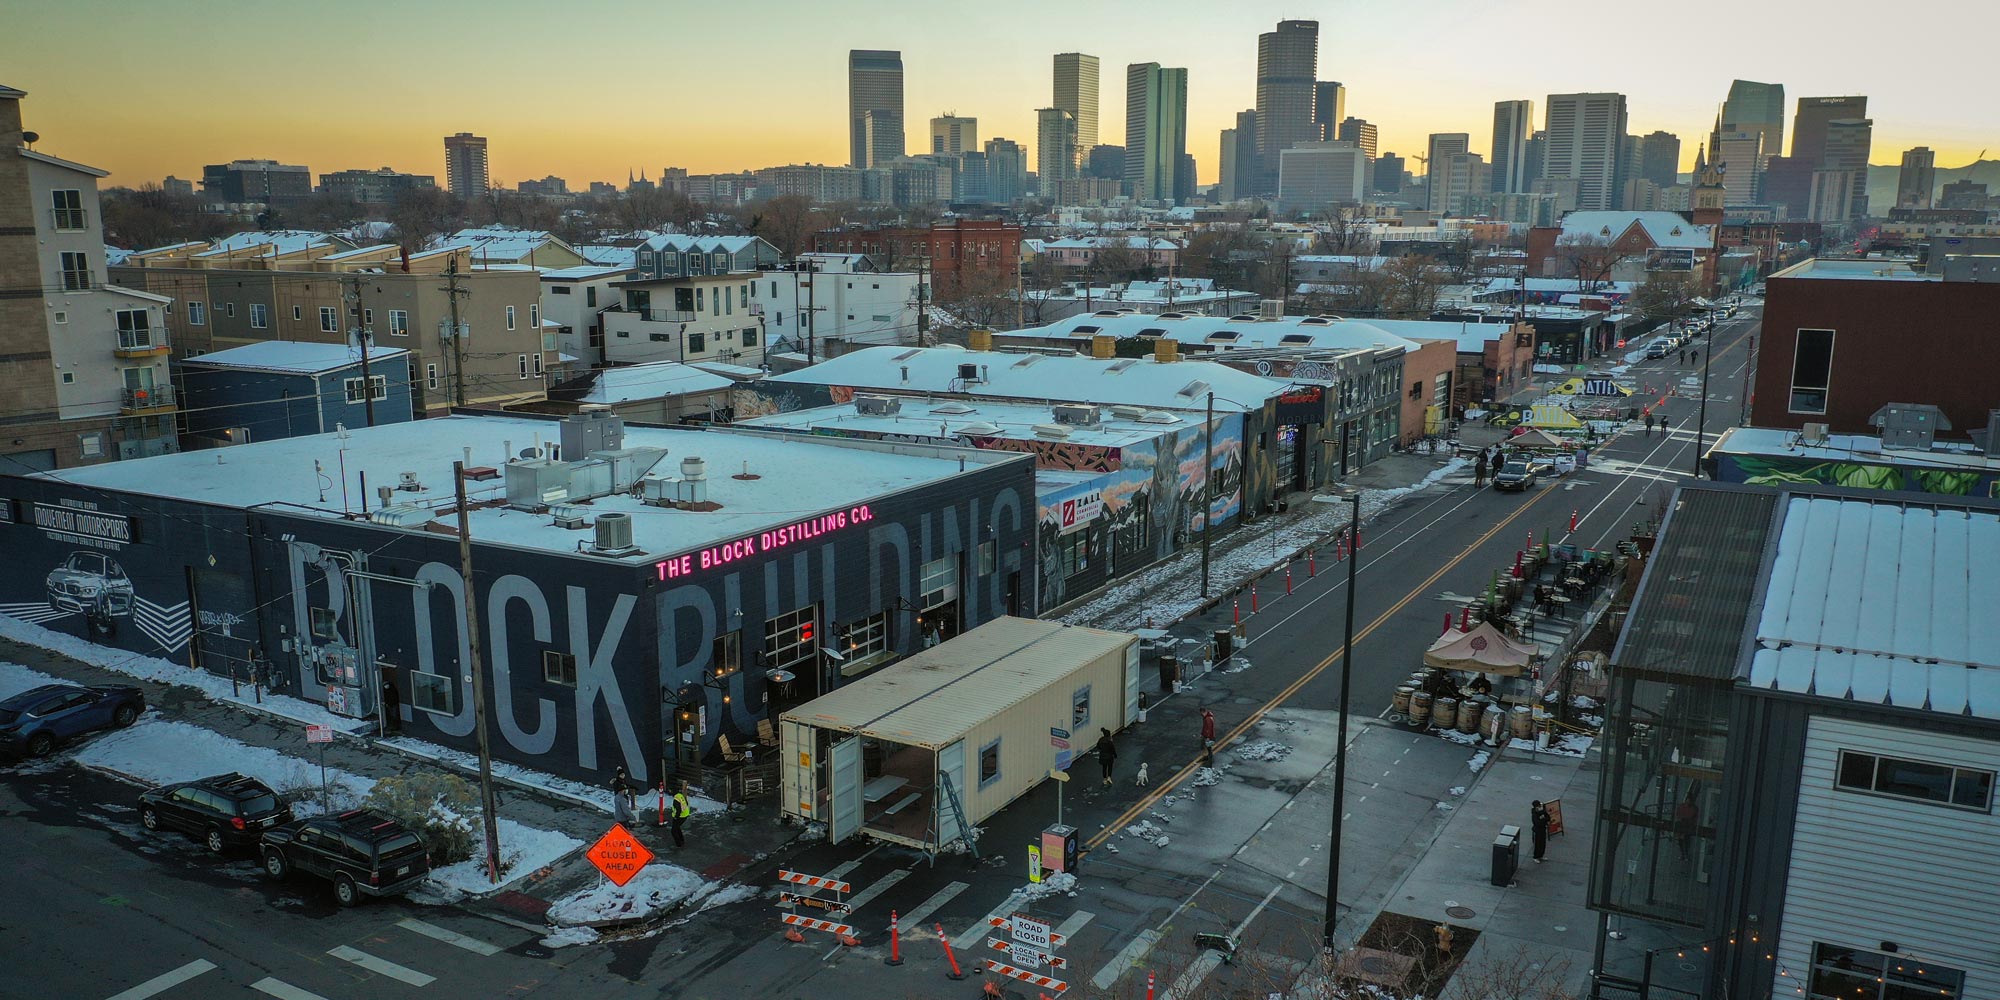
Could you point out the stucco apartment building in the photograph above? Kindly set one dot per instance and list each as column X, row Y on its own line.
column 83, row 366
column 229, row 301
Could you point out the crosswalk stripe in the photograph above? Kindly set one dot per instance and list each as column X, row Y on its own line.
column 1075, row 923
column 1127, row 957
column 977, row 932
column 381, row 966
column 166, row 981
column 914, row 918
column 283, row 991
column 866, row 896
column 433, row 931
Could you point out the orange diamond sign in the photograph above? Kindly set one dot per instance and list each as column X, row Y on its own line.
column 619, row 855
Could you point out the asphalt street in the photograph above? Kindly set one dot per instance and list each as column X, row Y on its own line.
column 119, row 914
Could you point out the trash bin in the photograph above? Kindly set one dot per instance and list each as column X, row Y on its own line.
column 1059, row 852
column 1506, row 855
column 1170, row 671
column 1222, row 640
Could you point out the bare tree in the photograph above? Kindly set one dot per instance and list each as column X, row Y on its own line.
column 1667, row 296
column 1589, row 257
column 1406, row 287
column 1118, row 261
column 1344, row 229
column 421, row 213
column 787, row 222
column 981, row 298
column 153, row 217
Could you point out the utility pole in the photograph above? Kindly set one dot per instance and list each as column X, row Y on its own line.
column 361, row 339
column 1701, row 412
column 486, row 800
column 923, row 295
column 1340, row 741
column 452, row 292
column 1207, row 490
column 812, row 313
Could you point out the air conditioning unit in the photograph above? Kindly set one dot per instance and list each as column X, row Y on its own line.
column 407, row 481
column 1271, row 309
column 1077, row 414
column 401, row 515
column 1813, row 433
column 968, row 373
column 570, row 516
column 614, row 535
column 878, row 406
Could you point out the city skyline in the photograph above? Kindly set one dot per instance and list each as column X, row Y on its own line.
column 109, row 118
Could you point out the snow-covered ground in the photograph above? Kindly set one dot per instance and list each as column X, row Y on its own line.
column 15, row 679
column 514, row 773
column 1172, row 590
column 658, row 887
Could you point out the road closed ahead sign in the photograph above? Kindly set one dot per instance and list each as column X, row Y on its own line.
column 619, row 855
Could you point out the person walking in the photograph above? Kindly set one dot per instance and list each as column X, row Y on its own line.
column 1107, row 754
column 1685, row 816
column 1695, row 356
column 1207, row 738
column 392, row 706
column 622, row 802
column 1684, row 357
column 680, row 811
column 1538, row 821
column 1649, row 425
column 1479, row 469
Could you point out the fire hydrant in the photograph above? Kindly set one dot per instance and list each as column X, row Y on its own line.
column 1443, row 933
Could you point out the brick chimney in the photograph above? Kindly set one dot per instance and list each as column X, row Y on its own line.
column 1166, row 350
column 979, row 340
column 1104, row 345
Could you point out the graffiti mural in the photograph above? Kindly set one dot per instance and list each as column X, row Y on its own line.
column 1055, row 454
column 1778, row 471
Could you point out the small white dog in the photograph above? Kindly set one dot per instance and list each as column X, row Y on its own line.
column 1144, row 778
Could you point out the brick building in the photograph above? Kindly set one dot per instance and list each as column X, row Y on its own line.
column 956, row 250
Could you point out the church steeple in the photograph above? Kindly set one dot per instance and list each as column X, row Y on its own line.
column 1707, row 197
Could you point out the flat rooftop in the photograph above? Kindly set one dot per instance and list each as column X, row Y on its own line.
column 800, row 477
column 1856, row 270
column 965, row 419
column 1778, row 441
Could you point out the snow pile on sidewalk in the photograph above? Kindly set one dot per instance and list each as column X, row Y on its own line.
column 1148, row 831
column 523, row 851
column 657, row 888
column 157, row 751
column 514, row 773
column 1059, row 884
column 152, row 668
column 1264, row 750
column 1171, row 590
column 15, row 679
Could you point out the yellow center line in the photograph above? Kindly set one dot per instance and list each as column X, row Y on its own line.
column 1281, row 697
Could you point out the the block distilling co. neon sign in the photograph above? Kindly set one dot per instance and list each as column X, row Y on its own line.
column 763, row 542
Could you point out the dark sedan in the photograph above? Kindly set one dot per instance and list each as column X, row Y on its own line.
column 227, row 810
column 1515, row 475
column 38, row 720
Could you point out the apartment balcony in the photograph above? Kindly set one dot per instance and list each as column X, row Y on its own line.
column 141, row 402
column 141, row 344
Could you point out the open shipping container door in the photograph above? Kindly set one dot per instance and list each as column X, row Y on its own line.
column 798, row 772
column 1132, row 681
column 951, row 766
column 843, row 818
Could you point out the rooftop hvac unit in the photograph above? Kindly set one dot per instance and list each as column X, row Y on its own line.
column 1128, row 412
column 614, row 535
column 592, row 428
column 1056, row 431
column 877, row 406
column 401, row 515
column 407, row 481
column 570, row 516
column 628, row 464
column 968, row 373
column 1909, row 425
column 1813, row 433
column 1271, row 309
column 536, row 482
column 588, row 479
column 1077, row 414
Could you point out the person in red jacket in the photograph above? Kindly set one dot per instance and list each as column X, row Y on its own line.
column 1207, row 738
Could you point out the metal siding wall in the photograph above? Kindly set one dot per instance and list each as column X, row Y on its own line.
column 1867, row 869
column 1026, row 754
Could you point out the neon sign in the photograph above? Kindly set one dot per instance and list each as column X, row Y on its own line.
column 716, row 556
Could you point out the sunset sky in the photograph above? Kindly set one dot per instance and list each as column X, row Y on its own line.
column 588, row 90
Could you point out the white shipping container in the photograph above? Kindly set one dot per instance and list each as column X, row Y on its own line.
column 947, row 737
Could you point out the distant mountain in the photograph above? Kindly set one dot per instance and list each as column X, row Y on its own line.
column 1882, row 181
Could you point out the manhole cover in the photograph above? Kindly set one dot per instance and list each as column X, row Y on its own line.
column 1460, row 912
column 1374, row 964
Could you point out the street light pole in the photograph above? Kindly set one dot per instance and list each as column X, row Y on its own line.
column 1207, row 490
column 1701, row 414
column 487, row 802
column 1340, row 744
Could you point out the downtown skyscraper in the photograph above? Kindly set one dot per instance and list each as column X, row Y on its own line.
column 874, row 107
column 1076, row 93
column 1287, row 70
column 1512, row 123
column 465, row 165
column 1585, row 136
column 1156, row 130
column 1756, row 107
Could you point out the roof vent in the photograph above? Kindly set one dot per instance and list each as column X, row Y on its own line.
column 400, row 515
column 1056, row 431
column 407, row 481
column 1077, row 414
column 1195, row 388
column 1159, row 417
column 1813, row 433
column 569, row 515
column 968, row 373
column 979, row 429
column 877, row 406
column 1127, row 412
column 953, row 409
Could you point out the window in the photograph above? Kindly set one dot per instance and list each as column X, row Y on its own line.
column 92, row 445
column 259, row 316
column 646, row 259
column 197, row 314
column 433, row 693
column 523, row 359
column 431, row 377
column 378, row 386
column 743, row 298
column 559, row 290
column 538, row 364
column 1079, row 710
column 68, row 211
column 399, row 323
column 134, row 330
column 789, row 639
column 535, row 316
column 989, row 554
column 1812, row 370
column 75, row 271
column 1914, row 779
column 368, row 318
column 726, row 657
column 298, row 314
column 69, row 378
column 1852, row 974
column 325, row 624
column 229, row 309
column 989, row 763
column 867, row 637
column 559, row 668
column 697, row 343
column 937, row 583
column 749, row 335
column 329, row 320
column 510, row 317
column 590, row 296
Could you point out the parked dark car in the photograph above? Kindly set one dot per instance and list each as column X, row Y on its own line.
column 363, row 853
column 224, row 811
column 1515, row 475
column 38, row 720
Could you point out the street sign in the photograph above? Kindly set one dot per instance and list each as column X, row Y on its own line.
column 1062, row 760
column 1058, row 775
column 1034, row 863
column 1029, row 931
column 319, row 734
column 619, row 855
column 1058, row 732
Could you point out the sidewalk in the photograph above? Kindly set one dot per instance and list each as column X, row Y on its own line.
column 547, row 822
column 1539, row 922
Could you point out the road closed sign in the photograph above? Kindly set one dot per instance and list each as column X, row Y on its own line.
column 619, row 855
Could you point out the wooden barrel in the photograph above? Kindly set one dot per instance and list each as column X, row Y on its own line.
column 1444, row 712
column 1402, row 701
column 1469, row 714
column 1492, row 723
column 1420, row 709
column 1521, row 722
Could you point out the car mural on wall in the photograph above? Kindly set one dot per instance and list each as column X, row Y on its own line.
column 93, row 584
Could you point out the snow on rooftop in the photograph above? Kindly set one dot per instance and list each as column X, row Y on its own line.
column 1857, row 270
column 1665, row 229
column 585, row 272
column 1884, row 602
column 1130, row 381
column 276, row 242
column 957, row 421
column 296, row 357
column 1324, row 332
column 658, row 380
column 799, row 477
column 624, row 258
column 1849, row 448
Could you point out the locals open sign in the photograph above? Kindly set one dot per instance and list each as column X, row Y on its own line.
column 619, row 855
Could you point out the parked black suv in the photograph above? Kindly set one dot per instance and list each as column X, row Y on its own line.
column 361, row 852
column 227, row 810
